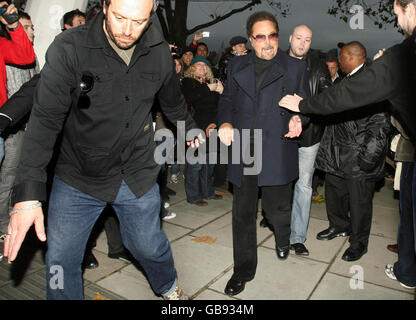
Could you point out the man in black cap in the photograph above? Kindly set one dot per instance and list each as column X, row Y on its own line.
column 237, row 48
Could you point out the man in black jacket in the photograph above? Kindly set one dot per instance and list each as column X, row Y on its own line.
column 319, row 79
column 352, row 153
column 391, row 77
column 98, row 85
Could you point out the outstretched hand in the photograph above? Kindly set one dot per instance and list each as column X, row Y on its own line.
column 19, row 225
column 291, row 102
column 295, row 127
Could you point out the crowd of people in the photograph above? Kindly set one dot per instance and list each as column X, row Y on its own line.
column 80, row 139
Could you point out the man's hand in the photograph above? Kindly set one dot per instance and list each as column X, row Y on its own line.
column 291, row 102
column 226, row 133
column 210, row 127
column 10, row 9
column 19, row 224
column 379, row 54
column 196, row 142
column 295, row 127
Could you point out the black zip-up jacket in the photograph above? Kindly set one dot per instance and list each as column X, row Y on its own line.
column 108, row 135
column 391, row 77
column 319, row 80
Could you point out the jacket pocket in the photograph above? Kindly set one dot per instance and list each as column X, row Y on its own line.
column 102, row 91
column 94, row 161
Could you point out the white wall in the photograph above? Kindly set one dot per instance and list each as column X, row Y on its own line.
column 47, row 17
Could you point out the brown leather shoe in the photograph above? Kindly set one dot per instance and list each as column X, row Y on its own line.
column 392, row 247
column 200, row 203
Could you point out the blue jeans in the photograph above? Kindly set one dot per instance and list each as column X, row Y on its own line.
column 302, row 196
column 71, row 216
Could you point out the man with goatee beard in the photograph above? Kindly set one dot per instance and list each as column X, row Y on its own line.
column 98, row 86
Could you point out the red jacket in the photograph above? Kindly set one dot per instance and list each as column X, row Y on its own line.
column 19, row 51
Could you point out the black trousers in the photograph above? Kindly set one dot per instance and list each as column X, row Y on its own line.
column 405, row 267
column 276, row 203
column 349, row 205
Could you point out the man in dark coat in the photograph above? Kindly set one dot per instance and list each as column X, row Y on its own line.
column 352, row 153
column 256, row 82
column 98, row 85
column 391, row 77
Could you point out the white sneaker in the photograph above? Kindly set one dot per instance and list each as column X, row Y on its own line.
column 167, row 205
column 174, row 178
column 390, row 273
column 169, row 216
column 176, row 295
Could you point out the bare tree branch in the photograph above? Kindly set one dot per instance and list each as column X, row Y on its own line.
column 221, row 18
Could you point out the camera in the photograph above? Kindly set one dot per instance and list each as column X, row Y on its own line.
column 205, row 34
column 176, row 50
column 9, row 17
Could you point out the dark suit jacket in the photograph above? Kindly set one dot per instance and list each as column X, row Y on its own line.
column 244, row 108
column 391, row 77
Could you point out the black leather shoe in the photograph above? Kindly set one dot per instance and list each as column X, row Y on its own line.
column 89, row 262
column 354, row 252
column 234, row 287
column 123, row 255
column 300, row 249
column 331, row 233
column 282, row 253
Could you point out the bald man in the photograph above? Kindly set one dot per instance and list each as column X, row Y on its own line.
column 352, row 153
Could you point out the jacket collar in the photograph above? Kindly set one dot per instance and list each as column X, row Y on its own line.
column 246, row 78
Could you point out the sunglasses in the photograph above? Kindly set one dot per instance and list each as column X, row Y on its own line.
column 87, row 82
column 262, row 37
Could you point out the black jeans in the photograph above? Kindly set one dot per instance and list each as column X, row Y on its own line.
column 349, row 205
column 199, row 181
column 405, row 267
column 276, row 203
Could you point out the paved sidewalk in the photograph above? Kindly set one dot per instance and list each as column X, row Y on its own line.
column 201, row 241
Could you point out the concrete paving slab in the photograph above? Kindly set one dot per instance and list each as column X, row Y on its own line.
column 385, row 221
column 102, row 245
column 192, row 216
column 385, row 197
column 372, row 264
column 106, row 267
column 213, row 295
column 173, row 231
column 200, row 263
column 318, row 211
column 319, row 250
column 129, row 285
column 335, row 287
column 221, row 230
column 292, row 279
column 94, row 292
